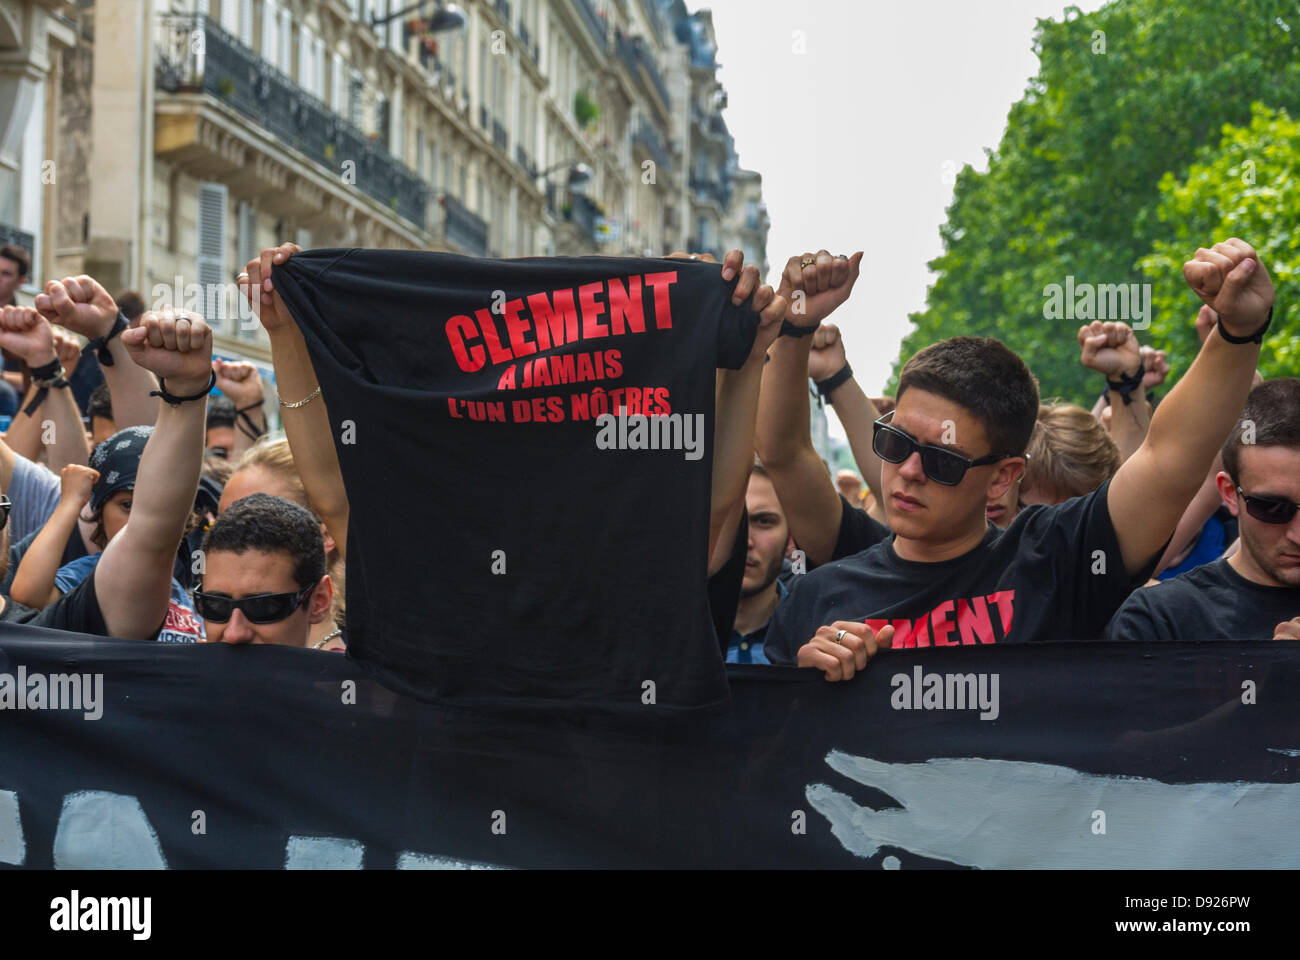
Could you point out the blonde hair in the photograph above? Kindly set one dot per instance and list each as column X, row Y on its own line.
column 276, row 458
column 1070, row 452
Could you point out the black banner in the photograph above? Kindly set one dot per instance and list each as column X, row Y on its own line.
column 1184, row 755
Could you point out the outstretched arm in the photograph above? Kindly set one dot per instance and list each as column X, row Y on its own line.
column 302, row 410
column 1155, row 485
column 814, row 287
column 854, row 408
column 34, row 580
column 133, row 579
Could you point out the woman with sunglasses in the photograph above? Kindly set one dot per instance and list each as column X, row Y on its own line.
column 1255, row 593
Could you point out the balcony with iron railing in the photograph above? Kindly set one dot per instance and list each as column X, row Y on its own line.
column 464, row 229
column 503, row 10
column 499, row 136
column 196, row 56
column 647, row 137
column 706, row 189
column 525, row 162
column 527, row 43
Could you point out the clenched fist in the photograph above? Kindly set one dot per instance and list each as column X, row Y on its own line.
column 80, row 304
column 1231, row 281
column 26, row 333
column 173, row 344
column 1110, row 349
column 76, row 483
column 826, row 358
column 239, row 381
column 815, row 284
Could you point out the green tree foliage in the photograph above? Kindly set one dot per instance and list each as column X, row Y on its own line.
column 1074, row 188
column 1247, row 186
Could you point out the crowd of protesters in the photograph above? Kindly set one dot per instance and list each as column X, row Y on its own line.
column 145, row 499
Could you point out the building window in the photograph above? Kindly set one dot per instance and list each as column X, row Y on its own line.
column 211, row 265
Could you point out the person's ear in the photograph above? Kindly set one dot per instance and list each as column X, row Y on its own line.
column 1007, row 473
column 322, row 599
column 1227, row 491
column 330, row 545
column 790, row 547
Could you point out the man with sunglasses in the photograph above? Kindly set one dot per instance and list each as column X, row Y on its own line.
column 956, row 440
column 1255, row 593
column 264, row 578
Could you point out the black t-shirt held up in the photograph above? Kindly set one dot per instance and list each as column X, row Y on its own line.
column 505, row 545
column 1209, row 602
column 1055, row 574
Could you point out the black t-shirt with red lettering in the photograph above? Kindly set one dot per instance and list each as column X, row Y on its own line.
column 509, row 542
column 1055, row 574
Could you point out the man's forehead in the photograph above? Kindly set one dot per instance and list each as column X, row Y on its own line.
column 935, row 420
column 1274, row 467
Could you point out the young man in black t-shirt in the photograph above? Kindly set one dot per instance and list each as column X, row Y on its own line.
column 966, row 408
column 1255, row 593
column 128, row 593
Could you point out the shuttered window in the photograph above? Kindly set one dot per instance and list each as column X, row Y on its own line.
column 213, row 202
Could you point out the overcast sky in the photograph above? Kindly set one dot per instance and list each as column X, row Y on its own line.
column 852, row 136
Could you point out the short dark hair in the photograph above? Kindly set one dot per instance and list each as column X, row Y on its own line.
column 11, row 251
column 983, row 376
column 131, row 304
column 1272, row 415
column 260, row 521
column 221, row 412
column 100, row 403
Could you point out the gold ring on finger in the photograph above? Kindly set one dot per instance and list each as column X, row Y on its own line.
column 808, row 261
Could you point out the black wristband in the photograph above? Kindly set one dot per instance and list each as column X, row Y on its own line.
column 827, row 387
column 175, row 401
column 100, row 344
column 1256, row 337
column 1127, row 384
column 51, row 371
column 788, row 329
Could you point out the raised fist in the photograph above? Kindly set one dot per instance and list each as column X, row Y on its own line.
column 826, row 358
column 239, row 381
column 80, row 304
column 173, row 344
column 1110, row 349
column 256, row 286
column 68, row 350
column 815, row 284
column 1231, row 281
column 1156, row 366
column 26, row 333
column 76, row 482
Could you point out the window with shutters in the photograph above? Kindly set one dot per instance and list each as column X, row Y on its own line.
column 270, row 30
column 318, row 67
column 306, row 73
column 355, row 92
column 230, row 16
column 286, row 41
column 247, row 248
column 211, row 265
column 246, row 21
column 338, row 97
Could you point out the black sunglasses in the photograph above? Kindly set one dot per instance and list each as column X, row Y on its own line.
column 940, row 465
column 1269, row 509
column 259, row 608
column 5, row 504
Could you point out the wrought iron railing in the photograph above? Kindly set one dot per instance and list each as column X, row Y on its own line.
column 194, row 55
column 463, row 228
column 595, row 23
column 648, row 137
